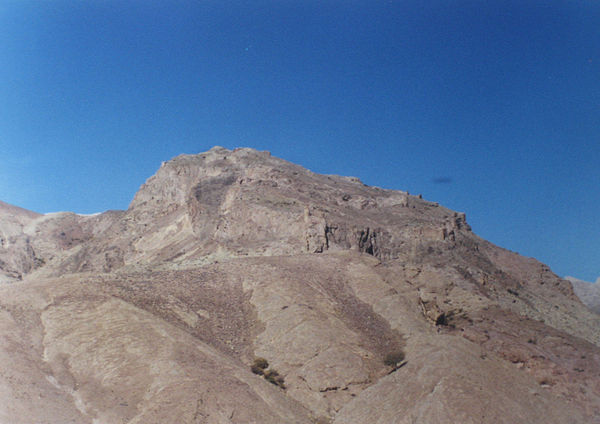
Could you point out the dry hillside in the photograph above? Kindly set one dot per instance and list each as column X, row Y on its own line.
column 156, row 314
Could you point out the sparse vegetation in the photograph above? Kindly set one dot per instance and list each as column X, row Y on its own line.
column 256, row 370
column 261, row 367
column 392, row 359
column 273, row 377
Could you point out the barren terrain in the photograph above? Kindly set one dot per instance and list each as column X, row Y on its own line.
column 157, row 313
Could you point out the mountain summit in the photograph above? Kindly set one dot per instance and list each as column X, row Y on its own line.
column 241, row 288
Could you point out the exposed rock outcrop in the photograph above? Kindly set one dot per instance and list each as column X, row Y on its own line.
column 156, row 314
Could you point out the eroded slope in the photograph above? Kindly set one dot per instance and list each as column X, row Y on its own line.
column 155, row 314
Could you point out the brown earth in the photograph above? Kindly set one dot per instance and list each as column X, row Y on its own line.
column 156, row 314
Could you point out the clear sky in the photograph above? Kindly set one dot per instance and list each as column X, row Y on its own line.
column 488, row 107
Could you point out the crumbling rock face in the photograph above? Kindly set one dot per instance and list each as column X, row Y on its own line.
column 17, row 256
column 157, row 313
column 289, row 209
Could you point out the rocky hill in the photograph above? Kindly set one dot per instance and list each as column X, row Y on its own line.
column 369, row 305
column 589, row 293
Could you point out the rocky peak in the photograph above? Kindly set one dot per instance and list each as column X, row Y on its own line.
column 14, row 212
column 175, row 180
column 157, row 313
column 246, row 202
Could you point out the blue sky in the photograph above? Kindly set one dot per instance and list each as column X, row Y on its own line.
column 491, row 108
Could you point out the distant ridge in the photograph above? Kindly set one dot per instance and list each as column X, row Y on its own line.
column 589, row 293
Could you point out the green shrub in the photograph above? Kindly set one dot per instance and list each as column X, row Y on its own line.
column 261, row 363
column 271, row 373
column 392, row 359
column 260, row 367
column 273, row 377
column 257, row 370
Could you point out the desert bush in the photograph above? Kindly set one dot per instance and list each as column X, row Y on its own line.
column 261, row 363
column 261, row 367
column 271, row 373
column 273, row 377
column 393, row 358
column 257, row 370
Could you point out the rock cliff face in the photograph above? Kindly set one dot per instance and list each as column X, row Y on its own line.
column 156, row 314
column 16, row 253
